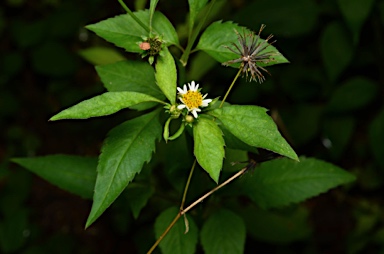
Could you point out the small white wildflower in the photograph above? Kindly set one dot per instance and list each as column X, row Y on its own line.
column 192, row 99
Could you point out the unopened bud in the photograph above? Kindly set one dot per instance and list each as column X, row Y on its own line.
column 189, row 119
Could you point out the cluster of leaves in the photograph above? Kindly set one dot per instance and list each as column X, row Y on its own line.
column 136, row 85
column 131, row 144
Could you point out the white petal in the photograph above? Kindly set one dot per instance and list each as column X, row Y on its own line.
column 181, row 91
column 191, row 85
column 205, row 103
column 181, row 106
column 194, row 113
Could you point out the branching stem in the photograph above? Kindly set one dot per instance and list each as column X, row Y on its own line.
column 184, row 211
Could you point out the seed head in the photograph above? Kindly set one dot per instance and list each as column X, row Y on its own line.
column 251, row 54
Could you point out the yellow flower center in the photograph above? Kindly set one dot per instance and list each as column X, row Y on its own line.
column 192, row 99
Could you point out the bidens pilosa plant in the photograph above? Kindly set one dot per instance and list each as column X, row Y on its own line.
column 178, row 109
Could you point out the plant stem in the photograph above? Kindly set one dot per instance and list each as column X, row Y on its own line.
column 164, row 233
column 125, row 7
column 179, row 214
column 215, row 189
column 230, row 88
column 187, row 186
column 192, row 39
column 184, row 211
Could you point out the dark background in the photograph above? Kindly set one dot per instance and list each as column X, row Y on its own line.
column 328, row 102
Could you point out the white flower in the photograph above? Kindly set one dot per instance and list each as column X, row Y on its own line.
column 192, row 99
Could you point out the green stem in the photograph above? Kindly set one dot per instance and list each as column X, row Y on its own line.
column 230, row 88
column 187, row 186
column 125, row 7
column 192, row 39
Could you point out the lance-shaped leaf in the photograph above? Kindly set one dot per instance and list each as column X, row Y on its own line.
column 125, row 150
column 176, row 241
column 125, row 32
column 71, row 173
column 209, row 146
column 104, row 104
column 253, row 126
column 282, row 181
column 218, row 35
column 224, row 232
column 166, row 75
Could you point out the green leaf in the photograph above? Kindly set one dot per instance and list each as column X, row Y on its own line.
column 123, row 31
column 336, row 50
column 71, row 173
column 355, row 13
column 276, row 227
column 209, row 146
column 132, row 76
column 138, row 196
column 281, row 182
column 101, row 55
column 253, row 126
column 125, row 150
column 166, row 75
column 218, row 35
column 102, row 105
column 195, row 7
column 224, row 232
column 232, row 142
column 353, row 94
column 176, row 241
column 376, row 137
